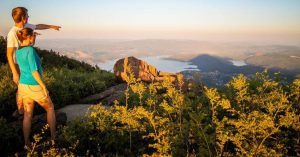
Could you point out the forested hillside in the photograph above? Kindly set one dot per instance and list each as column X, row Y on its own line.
column 257, row 116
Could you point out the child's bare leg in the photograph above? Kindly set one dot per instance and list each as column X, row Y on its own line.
column 28, row 111
column 20, row 105
column 49, row 107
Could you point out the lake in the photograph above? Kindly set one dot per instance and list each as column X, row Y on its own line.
column 162, row 63
column 238, row 63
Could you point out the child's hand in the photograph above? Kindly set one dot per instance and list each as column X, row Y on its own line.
column 45, row 91
column 56, row 27
column 32, row 40
column 36, row 33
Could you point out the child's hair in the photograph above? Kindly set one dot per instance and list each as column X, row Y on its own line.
column 17, row 14
column 24, row 33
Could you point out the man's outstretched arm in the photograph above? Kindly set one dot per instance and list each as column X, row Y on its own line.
column 45, row 26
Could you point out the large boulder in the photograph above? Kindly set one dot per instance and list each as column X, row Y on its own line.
column 139, row 68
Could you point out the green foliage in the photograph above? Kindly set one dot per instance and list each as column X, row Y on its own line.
column 156, row 120
column 2, row 50
column 9, row 137
column 65, row 86
column 52, row 59
column 251, row 117
column 42, row 146
column 7, row 92
column 68, row 86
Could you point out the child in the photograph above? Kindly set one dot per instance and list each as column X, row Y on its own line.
column 20, row 17
column 31, row 87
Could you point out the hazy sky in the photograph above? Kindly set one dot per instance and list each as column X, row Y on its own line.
column 180, row 19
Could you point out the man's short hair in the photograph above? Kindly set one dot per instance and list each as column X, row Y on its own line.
column 17, row 14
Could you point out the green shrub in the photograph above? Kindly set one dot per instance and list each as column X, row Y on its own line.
column 10, row 139
column 249, row 117
column 7, row 92
column 156, row 119
column 256, row 117
column 2, row 50
column 65, row 86
column 68, row 86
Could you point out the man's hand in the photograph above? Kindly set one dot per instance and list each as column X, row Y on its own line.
column 55, row 27
column 16, row 78
column 45, row 26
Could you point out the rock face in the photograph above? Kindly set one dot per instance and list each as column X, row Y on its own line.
column 140, row 69
column 75, row 111
column 105, row 96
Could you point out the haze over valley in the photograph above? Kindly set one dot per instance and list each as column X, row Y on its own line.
column 213, row 58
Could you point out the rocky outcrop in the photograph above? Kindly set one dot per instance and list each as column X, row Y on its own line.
column 140, row 69
column 107, row 96
column 76, row 111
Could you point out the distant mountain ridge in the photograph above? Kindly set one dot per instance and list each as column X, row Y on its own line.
column 216, row 71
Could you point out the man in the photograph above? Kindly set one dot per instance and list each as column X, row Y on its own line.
column 20, row 17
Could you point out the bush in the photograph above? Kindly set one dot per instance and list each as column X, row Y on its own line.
column 10, row 139
column 249, row 117
column 68, row 86
column 2, row 50
column 7, row 92
column 65, row 86
column 158, row 119
column 256, row 117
